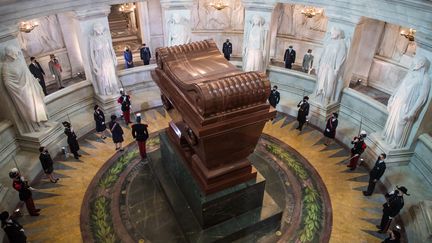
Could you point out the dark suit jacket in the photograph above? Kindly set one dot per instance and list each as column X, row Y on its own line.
column 274, row 98
column 378, row 170
column 139, row 131
column 145, row 54
column 290, row 57
column 227, row 48
column 37, row 71
column 303, row 111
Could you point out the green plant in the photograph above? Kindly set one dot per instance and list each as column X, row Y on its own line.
column 154, row 141
column 103, row 228
column 112, row 175
column 311, row 222
column 292, row 162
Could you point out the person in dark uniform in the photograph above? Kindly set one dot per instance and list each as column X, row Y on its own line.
column 71, row 139
column 117, row 133
column 140, row 134
column 227, row 49
column 38, row 72
column 303, row 112
column 274, row 97
column 14, row 231
column 330, row 129
column 394, row 237
column 24, row 191
column 358, row 148
column 375, row 174
column 145, row 54
column 392, row 207
column 125, row 102
column 289, row 57
column 47, row 164
column 99, row 118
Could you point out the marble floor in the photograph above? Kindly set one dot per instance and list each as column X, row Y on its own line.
column 354, row 216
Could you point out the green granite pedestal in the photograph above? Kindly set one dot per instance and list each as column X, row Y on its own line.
column 219, row 217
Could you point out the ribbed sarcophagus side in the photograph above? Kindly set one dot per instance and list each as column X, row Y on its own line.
column 218, row 112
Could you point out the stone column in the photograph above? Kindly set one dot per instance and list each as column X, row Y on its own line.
column 177, row 21
column 85, row 20
column 144, row 22
column 320, row 112
column 256, row 46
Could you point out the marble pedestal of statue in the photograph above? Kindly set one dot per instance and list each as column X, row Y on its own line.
column 395, row 157
column 222, row 216
column 419, row 217
column 49, row 137
column 318, row 113
column 108, row 104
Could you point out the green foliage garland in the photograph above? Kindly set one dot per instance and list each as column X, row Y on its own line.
column 102, row 226
column 111, row 176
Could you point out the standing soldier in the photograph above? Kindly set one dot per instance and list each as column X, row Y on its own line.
column 330, row 129
column 274, row 97
column 125, row 102
column 358, row 148
column 71, row 139
column 303, row 112
column 140, row 134
column 145, row 54
column 227, row 49
column 56, row 70
column 375, row 174
column 21, row 185
column 392, row 207
column 289, row 57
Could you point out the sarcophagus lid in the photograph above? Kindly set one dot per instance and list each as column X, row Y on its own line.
column 218, row 111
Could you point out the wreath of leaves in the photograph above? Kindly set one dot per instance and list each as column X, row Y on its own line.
column 101, row 223
column 312, row 210
column 112, row 175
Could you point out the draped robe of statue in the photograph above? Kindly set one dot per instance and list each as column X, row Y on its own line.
column 104, row 61
column 329, row 81
column 254, row 57
column 24, row 90
column 406, row 102
column 178, row 31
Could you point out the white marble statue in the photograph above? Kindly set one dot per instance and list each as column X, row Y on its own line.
column 103, row 61
column 329, row 82
column 178, row 30
column 406, row 102
column 237, row 15
column 24, row 90
column 254, row 52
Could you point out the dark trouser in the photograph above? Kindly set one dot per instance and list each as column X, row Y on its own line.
column 371, row 186
column 227, row 56
column 126, row 116
column 42, row 84
column 300, row 125
column 142, row 149
column 288, row 65
column 353, row 161
column 30, row 206
column 146, row 62
column 385, row 221
column 75, row 153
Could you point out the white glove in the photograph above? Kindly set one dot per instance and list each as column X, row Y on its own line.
column 53, row 75
column 328, row 130
column 31, row 188
column 103, row 123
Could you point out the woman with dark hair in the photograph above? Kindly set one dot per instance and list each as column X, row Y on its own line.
column 117, row 133
column 47, row 164
column 71, row 139
column 99, row 118
column 13, row 230
column 330, row 129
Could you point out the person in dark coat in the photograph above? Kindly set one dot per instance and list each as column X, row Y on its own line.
column 358, row 148
column 47, row 164
column 375, row 174
column 227, row 49
column 145, row 54
column 140, row 134
column 274, row 97
column 303, row 112
column 127, row 54
column 99, row 118
column 117, row 133
column 20, row 184
column 71, row 139
column 330, row 129
column 14, row 231
column 38, row 72
column 394, row 237
column 392, row 207
column 125, row 101
column 289, row 57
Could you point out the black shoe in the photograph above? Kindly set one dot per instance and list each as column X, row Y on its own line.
column 79, row 155
column 381, row 231
column 378, row 227
column 366, row 194
column 121, row 150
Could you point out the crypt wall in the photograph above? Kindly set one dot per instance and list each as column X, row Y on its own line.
column 387, row 63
